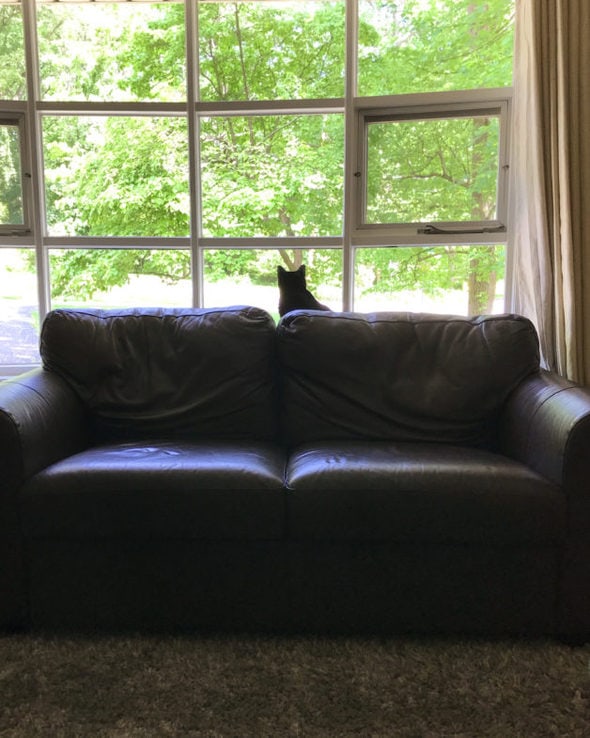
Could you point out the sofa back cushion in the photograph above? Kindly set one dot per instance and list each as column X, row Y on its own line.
column 188, row 373
column 400, row 376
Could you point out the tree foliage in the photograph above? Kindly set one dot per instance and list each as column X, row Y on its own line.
column 13, row 84
column 11, row 199
column 410, row 46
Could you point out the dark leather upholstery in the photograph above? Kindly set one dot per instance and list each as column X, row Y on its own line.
column 340, row 472
column 423, row 377
column 545, row 425
column 41, row 420
column 160, row 489
column 206, row 374
column 420, row 493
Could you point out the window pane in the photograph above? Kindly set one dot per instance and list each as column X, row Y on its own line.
column 286, row 49
column 434, row 45
column 249, row 276
column 11, row 194
column 116, row 176
column 459, row 280
column 272, row 175
column 19, row 312
column 114, row 51
column 432, row 170
column 13, row 83
column 112, row 278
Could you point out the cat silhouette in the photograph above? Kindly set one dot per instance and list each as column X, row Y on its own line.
column 293, row 292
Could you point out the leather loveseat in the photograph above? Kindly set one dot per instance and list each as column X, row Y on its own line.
column 339, row 472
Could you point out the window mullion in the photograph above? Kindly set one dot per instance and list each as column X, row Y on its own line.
column 350, row 155
column 38, row 219
column 194, row 154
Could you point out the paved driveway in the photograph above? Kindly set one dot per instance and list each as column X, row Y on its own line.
column 19, row 339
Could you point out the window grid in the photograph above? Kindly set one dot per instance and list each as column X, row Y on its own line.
column 354, row 109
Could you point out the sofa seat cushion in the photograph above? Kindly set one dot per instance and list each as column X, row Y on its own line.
column 419, row 493
column 208, row 491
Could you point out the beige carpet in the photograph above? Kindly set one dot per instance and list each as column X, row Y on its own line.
column 57, row 687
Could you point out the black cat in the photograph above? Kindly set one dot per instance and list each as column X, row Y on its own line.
column 294, row 294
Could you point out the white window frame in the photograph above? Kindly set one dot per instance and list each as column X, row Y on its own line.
column 423, row 107
column 15, row 115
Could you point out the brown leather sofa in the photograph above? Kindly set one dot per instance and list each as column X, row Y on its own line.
column 339, row 472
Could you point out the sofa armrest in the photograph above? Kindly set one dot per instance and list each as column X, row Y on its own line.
column 546, row 425
column 41, row 421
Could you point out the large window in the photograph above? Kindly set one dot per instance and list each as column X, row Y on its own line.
column 175, row 153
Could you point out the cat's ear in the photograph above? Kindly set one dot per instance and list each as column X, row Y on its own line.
column 302, row 269
column 281, row 270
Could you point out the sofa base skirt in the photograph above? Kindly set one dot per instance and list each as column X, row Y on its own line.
column 161, row 586
column 435, row 589
column 299, row 587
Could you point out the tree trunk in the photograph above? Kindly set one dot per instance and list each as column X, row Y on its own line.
column 481, row 286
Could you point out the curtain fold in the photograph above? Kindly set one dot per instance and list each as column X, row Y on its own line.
column 550, row 179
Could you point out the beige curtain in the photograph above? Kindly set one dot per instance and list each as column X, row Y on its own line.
column 550, row 179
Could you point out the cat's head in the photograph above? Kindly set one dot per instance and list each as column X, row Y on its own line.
column 291, row 279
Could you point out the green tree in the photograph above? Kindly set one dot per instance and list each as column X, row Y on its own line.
column 251, row 52
column 12, row 54
column 11, row 199
column 79, row 273
column 410, row 46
